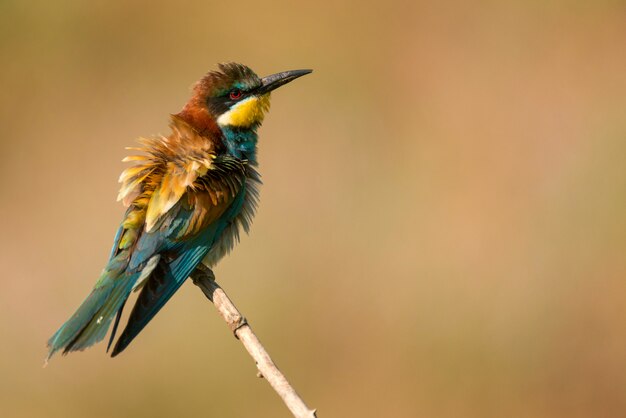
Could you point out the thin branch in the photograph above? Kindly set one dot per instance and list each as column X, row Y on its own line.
column 204, row 278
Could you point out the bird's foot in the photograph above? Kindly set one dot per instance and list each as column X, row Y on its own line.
column 204, row 278
column 202, row 272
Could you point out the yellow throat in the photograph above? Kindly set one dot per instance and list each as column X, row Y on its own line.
column 247, row 112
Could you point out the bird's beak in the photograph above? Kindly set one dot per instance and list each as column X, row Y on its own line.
column 274, row 81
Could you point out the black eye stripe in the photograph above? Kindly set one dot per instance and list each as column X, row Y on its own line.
column 222, row 101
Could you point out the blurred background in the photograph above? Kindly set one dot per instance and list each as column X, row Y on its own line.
column 441, row 231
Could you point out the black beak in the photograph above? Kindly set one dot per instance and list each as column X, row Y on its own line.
column 274, row 81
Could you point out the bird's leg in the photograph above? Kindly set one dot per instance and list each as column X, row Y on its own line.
column 204, row 278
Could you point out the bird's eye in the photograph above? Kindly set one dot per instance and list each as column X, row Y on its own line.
column 235, row 94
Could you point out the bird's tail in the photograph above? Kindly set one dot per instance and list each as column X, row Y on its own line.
column 90, row 322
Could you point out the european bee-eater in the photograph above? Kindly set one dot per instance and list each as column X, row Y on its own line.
column 188, row 197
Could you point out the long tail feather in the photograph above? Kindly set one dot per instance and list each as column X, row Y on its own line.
column 115, row 325
column 97, row 327
column 91, row 320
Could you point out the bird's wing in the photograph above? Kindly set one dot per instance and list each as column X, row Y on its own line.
column 185, row 233
column 177, row 211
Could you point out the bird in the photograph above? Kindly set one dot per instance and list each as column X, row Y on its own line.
column 188, row 197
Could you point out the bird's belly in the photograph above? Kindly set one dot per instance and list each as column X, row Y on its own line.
column 222, row 245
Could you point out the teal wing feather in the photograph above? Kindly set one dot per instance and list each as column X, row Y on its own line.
column 160, row 287
column 168, row 276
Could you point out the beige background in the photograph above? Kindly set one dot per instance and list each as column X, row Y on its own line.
column 441, row 232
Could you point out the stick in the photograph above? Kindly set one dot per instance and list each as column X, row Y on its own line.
column 204, row 278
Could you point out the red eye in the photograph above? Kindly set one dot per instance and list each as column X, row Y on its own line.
column 235, row 94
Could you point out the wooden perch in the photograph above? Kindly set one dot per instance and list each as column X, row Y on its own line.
column 204, row 278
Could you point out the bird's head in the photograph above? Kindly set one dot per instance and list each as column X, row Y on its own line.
column 233, row 97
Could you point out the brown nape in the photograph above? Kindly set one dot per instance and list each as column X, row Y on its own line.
column 196, row 114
